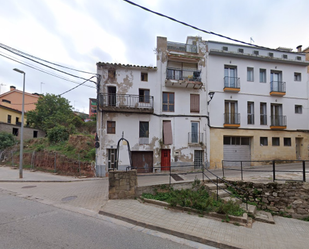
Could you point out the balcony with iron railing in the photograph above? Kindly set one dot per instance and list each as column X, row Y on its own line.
column 278, row 122
column 195, row 138
column 182, row 47
column 183, row 78
column 231, row 84
column 126, row 103
column 277, row 88
column 231, row 120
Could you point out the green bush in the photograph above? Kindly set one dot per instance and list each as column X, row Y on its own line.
column 57, row 134
column 6, row 140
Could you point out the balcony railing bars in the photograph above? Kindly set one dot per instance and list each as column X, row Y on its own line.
column 126, row 101
column 183, row 74
column 182, row 47
column 250, row 118
column 263, row 119
column 231, row 118
column 277, row 120
column 231, row 82
column 277, row 86
column 195, row 137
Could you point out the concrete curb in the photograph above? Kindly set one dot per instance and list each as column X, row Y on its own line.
column 171, row 232
column 73, row 180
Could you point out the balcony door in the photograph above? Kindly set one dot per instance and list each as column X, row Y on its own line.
column 231, row 112
column 111, row 90
column 276, row 81
column 194, row 132
column 276, row 114
column 230, row 76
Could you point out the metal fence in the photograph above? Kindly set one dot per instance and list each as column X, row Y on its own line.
column 278, row 169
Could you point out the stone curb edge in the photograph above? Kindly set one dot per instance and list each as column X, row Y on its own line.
column 168, row 231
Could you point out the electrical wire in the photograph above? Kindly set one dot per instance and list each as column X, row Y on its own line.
column 32, row 56
column 41, row 70
column 77, row 86
column 199, row 29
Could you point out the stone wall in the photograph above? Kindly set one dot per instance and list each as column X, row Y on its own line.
column 122, row 184
column 288, row 199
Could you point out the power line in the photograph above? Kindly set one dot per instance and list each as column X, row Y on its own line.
column 196, row 28
column 32, row 56
column 44, row 64
column 77, row 86
column 41, row 70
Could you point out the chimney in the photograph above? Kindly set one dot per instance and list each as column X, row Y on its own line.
column 12, row 88
column 299, row 48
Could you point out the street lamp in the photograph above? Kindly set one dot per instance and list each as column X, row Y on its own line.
column 211, row 95
column 22, row 126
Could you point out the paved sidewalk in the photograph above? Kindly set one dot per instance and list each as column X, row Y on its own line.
column 286, row 233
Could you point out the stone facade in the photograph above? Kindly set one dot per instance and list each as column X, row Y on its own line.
column 122, row 184
column 289, row 199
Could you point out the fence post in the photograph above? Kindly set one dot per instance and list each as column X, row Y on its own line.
column 79, row 164
column 241, row 172
column 55, row 163
column 223, row 168
column 217, row 188
column 304, row 171
column 170, row 175
column 274, row 170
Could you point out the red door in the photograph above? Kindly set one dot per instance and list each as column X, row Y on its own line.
column 165, row 160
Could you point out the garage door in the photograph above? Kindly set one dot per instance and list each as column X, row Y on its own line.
column 236, row 149
column 142, row 161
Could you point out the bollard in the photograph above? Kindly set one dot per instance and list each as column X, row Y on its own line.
column 274, row 170
column 304, row 171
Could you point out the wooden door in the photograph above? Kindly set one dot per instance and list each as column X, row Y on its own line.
column 142, row 161
column 165, row 159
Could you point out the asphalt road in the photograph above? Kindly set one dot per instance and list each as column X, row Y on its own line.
column 29, row 224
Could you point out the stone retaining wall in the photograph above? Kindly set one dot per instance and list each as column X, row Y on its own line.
column 289, row 199
column 122, row 184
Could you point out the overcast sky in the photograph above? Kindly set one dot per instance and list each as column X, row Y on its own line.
column 80, row 33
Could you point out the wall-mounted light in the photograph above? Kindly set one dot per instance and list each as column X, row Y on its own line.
column 211, row 95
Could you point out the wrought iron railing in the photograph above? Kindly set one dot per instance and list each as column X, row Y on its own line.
column 195, row 138
column 231, row 118
column 277, row 120
column 182, row 47
column 126, row 101
column 231, row 82
column 277, row 86
column 250, row 118
column 263, row 119
column 180, row 74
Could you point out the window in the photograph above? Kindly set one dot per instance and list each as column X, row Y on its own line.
column 276, row 84
column 284, row 56
column 15, row 132
column 9, row 119
column 144, row 95
column 111, row 73
column 298, row 58
column 287, row 141
column 194, row 132
column 256, row 52
column 231, row 116
column 250, row 112
column 262, row 75
column 298, row 109
column 6, row 101
column 263, row 141
column 271, row 54
column 195, row 103
column 168, row 102
column 17, row 120
column 297, row 76
column 263, row 114
column 144, row 132
column 35, row 134
column 236, row 140
column 240, row 50
column 276, row 141
column 250, row 74
column 111, row 127
column 144, row 76
column 230, row 76
column 225, row 48
column 167, row 132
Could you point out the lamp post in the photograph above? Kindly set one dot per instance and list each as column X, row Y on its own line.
column 22, row 126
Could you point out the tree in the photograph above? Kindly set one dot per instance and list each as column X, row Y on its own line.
column 51, row 110
column 6, row 140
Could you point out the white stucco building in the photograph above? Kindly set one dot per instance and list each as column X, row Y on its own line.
column 259, row 108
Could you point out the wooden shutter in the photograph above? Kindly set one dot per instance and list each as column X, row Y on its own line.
column 167, row 132
column 195, row 103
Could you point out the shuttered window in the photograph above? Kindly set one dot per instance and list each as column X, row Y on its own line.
column 195, row 103
column 167, row 132
column 111, row 127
